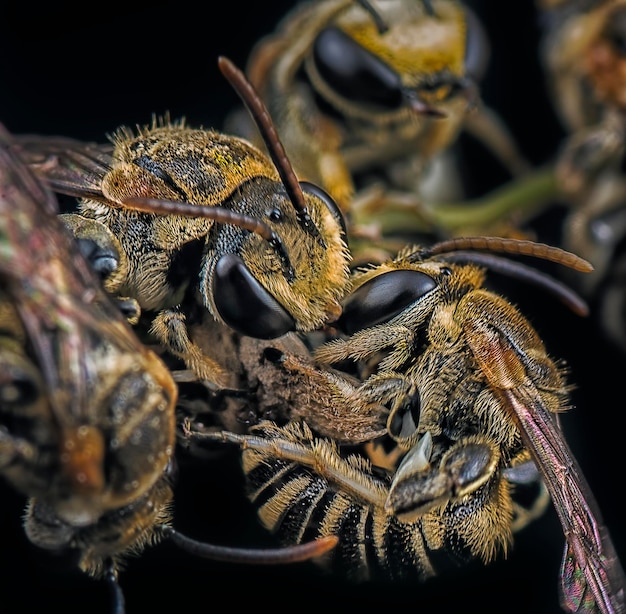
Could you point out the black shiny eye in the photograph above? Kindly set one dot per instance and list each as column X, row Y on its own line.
column 383, row 297
column 311, row 188
column 355, row 73
column 245, row 305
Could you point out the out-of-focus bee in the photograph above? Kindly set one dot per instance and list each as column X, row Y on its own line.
column 472, row 399
column 87, row 412
column 204, row 218
column 585, row 61
column 368, row 94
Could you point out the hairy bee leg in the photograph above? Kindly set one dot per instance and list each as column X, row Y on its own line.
column 320, row 455
column 418, row 486
column 170, row 329
column 340, row 412
column 363, row 344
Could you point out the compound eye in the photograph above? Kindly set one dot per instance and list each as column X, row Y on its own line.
column 355, row 73
column 245, row 305
column 311, row 188
column 477, row 47
column 381, row 298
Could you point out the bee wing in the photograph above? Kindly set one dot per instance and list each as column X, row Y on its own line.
column 67, row 315
column 591, row 574
column 68, row 166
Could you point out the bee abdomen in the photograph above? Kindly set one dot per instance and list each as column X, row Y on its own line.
column 298, row 505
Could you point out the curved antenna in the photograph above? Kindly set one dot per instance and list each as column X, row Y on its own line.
column 219, row 214
column 381, row 26
column 253, row 556
column 261, row 116
column 524, row 273
column 509, row 246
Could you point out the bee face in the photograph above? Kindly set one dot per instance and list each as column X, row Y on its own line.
column 373, row 91
column 201, row 216
column 416, row 61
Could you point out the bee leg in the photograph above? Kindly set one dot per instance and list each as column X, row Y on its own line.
column 100, row 247
column 418, row 486
column 530, row 497
column 170, row 329
column 117, row 596
column 296, row 443
column 130, row 309
column 332, row 404
column 368, row 342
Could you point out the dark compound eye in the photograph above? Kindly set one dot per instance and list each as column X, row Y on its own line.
column 383, row 297
column 355, row 73
column 311, row 188
column 245, row 305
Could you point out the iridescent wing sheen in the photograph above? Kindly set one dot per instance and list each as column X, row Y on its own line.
column 592, row 578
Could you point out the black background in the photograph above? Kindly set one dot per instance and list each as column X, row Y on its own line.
column 83, row 71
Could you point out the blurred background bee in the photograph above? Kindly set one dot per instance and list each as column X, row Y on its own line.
column 87, row 412
column 111, row 82
column 584, row 58
column 371, row 98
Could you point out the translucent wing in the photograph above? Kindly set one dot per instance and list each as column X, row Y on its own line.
column 592, row 578
column 68, row 166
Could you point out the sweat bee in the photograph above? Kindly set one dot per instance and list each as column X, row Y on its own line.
column 87, row 412
column 203, row 219
column 473, row 400
column 367, row 95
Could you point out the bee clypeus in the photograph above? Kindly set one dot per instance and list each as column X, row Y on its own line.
column 87, row 412
column 203, row 218
column 371, row 93
column 472, row 398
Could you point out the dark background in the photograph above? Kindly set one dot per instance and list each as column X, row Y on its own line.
column 81, row 73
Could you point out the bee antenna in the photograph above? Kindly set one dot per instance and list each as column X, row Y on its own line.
column 378, row 20
column 221, row 215
column 253, row 556
column 509, row 246
column 524, row 273
column 428, row 6
column 264, row 123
